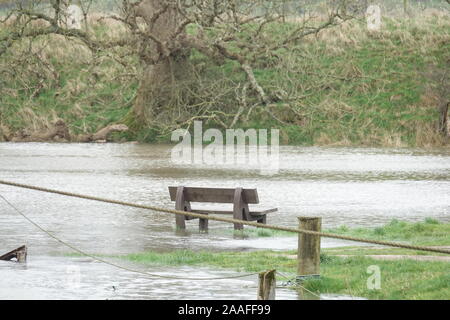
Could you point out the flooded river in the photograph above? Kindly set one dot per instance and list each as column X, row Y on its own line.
column 355, row 187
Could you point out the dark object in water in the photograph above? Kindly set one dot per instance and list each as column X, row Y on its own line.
column 20, row 254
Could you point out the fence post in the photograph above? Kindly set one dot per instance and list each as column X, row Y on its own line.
column 20, row 254
column 309, row 248
column 267, row 284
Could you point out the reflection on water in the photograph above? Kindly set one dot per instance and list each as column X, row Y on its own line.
column 356, row 187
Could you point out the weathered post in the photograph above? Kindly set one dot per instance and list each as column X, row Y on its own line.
column 267, row 284
column 20, row 254
column 309, row 248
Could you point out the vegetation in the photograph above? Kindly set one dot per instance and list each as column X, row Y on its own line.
column 341, row 86
column 430, row 232
column 400, row 279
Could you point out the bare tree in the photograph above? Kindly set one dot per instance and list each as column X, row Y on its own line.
column 164, row 33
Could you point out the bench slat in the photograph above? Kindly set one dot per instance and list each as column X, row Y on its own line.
column 214, row 195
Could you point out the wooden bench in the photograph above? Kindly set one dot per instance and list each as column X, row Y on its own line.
column 239, row 197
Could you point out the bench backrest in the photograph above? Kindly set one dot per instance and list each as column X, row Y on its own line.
column 215, row 195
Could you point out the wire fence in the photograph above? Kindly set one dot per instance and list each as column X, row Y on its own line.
column 228, row 220
column 290, row 281
column 99, row 259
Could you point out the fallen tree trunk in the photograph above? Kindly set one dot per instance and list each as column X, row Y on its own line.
column 20, row 254
column 58, row 132
column 103, row 134
column 5, row 133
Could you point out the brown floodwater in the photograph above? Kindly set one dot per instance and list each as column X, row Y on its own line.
column 345, row 186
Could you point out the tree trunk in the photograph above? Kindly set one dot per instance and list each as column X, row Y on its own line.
column 443, row 119
column 163, row 67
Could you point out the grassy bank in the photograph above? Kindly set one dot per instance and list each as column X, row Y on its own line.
column 400, row 279
column 429, row 232
column 344, row 86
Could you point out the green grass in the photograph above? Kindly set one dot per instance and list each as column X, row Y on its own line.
column 403, row 279
column 249, row 261
column 429, row 232
column 400, row 279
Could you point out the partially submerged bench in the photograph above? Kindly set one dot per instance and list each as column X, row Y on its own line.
column 239, row 197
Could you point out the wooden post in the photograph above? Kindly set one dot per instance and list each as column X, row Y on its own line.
column 203, row 225
column 309, row 247
column 267, row 284
column 20, row 254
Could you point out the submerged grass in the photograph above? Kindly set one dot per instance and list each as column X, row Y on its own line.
column 400, row 279
column 403, row 279
column 429, row 232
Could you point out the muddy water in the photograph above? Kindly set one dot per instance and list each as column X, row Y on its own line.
column 356, row 187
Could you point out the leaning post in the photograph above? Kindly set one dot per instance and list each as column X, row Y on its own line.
column 20, row 254
column 267, row 284
column 309, row 248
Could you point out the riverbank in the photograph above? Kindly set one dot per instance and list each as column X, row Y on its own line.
column 343, row 270
column 343, row 87
column 429, row 232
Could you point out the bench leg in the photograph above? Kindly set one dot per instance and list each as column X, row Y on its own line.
column 203, row 225
column 181, row 205
column 181, row 222
column 263, row 219
column 238, row 226
column 239, row 216
column 240, row 209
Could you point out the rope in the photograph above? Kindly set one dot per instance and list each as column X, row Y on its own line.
column 229, row 220
column 151, row 275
